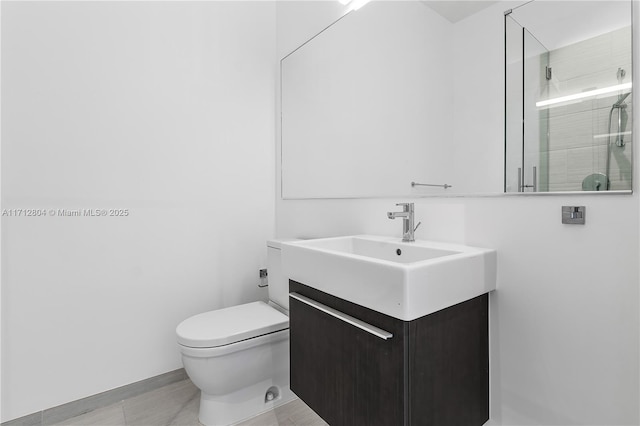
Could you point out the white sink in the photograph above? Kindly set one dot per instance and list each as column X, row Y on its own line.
column 402, row 280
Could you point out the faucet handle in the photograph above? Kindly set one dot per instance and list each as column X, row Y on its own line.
column 407, row 207
column 417, row 226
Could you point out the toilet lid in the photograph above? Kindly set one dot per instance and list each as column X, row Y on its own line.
column 230, row 325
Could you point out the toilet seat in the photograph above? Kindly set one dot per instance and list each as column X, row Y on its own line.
column 230, row 325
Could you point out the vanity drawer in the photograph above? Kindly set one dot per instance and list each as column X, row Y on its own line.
column 348, row 374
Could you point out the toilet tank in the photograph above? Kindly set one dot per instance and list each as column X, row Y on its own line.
column 278, row 284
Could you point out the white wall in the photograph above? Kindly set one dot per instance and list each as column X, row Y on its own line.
column 477, row 94
column 162, row 108
column 298, row 21
column 565, row 318
column 1, row 273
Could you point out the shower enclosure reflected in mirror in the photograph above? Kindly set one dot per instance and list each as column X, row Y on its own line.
column 568, row 109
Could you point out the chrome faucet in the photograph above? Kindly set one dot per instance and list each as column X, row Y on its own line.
column 407, row 221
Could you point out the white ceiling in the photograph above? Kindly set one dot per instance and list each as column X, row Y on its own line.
column 455, row 11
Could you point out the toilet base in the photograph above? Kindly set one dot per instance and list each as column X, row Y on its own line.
column 230, row 409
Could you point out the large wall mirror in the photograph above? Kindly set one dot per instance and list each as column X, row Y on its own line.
column 568, row 99
column 400, row 92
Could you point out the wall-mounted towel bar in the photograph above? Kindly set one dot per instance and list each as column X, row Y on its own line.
column 445, row 186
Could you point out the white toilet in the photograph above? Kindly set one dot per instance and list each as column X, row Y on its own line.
column 239, row 356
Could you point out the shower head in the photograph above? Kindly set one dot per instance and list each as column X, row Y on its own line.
column 621, row 99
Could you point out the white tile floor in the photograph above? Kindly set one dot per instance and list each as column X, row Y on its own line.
column 177, row 405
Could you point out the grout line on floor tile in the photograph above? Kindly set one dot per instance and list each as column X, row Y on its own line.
column 124, row 415
column 196, row 395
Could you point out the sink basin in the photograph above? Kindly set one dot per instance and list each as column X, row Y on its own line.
column 402, row 280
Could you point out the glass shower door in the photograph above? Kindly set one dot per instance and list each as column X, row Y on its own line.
column 536, row 76
column 514, row 101
column 527, row 69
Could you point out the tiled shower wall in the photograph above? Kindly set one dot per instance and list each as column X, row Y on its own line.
column 577, row 144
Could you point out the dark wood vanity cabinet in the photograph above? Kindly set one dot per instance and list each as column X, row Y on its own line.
column 434, row 370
